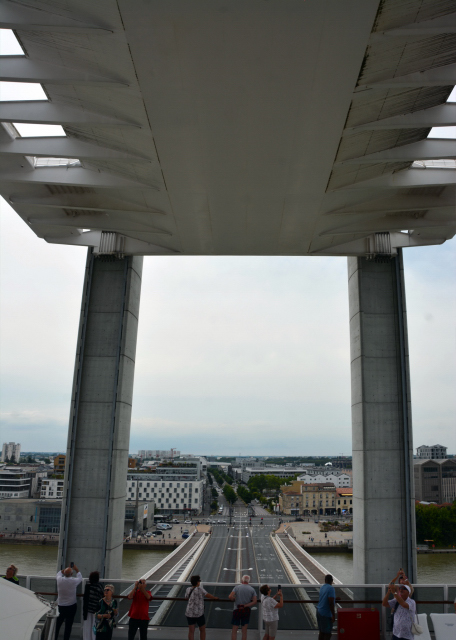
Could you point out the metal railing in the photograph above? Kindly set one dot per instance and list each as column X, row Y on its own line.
column 436, row 599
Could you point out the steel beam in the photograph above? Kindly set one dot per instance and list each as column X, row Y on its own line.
column 75, row 176
column 406, row 179
column 17, row 16
column 66, row 147
column 429, row 149
column 21, row 69
column 444, row 115
column 44, row 112
column 437, row 77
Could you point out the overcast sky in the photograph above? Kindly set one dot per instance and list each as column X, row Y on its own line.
column 235, row 355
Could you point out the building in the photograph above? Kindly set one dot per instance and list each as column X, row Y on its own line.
column 43, row 516
column 435, row 480
column 175, row 487
column 433, row 452
column 59, row 464
column 344, row 501
column 280, row 472
column 300, row 499
column 158, row 454
column 15, row 483
column 11, row 452
column 52, row 488
column 339, row 479
column 132, row 463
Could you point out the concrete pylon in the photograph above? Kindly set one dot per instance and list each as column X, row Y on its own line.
column 383, row 490
column 93, row 506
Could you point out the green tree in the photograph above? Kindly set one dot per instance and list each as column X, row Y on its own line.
column 214, row 493
column 244, row 494
column 229, row 494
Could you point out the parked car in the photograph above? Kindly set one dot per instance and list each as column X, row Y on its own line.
column 298, row 519
column 157, row 533
column 188, row 522
column 175, row 521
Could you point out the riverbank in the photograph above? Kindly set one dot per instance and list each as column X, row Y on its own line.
column 153, row 545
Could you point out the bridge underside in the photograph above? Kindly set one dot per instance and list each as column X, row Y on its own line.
column 241, row 128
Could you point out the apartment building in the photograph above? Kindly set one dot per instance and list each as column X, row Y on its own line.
column 432, row 452
column 300, row 499
column 11, row 452
column 339, row 479
column 15, row 483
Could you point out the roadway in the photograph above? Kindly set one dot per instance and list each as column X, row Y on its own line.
column 243, row 548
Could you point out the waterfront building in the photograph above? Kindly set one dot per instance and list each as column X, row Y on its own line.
column 435, row 480
column 174, row 487
column 433, row 452
column 15, row 483
column 300, row 499
column 158, row 454
column 11, row 452
column 344, row 501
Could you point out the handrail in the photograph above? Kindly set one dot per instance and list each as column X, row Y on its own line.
column 350, row 601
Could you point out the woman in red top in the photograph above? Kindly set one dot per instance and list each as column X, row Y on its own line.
column 139, row 610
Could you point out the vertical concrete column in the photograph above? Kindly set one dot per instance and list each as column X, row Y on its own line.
column 93, row 506
column 383, row 496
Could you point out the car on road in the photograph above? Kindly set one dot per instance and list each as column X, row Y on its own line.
column 157, row 533
column 175, row 521
column 148, row 534
column 188, row 522
column 298, row 519
column 222, row 521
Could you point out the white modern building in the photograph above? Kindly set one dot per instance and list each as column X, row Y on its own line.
column 52, row 488
column 11, row 452
column 14, row 483
column 174, row 487
column 340, row 480
column 432, row 452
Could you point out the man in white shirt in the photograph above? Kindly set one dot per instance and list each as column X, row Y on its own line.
column 66, row 599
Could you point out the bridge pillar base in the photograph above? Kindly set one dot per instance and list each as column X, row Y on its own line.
column 93, row 505
column 383, row 489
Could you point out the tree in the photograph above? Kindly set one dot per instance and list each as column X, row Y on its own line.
column 229, row 494
column 244, row 494
column 214, row 493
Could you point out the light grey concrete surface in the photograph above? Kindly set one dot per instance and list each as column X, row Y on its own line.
column 383, row 506
column 93, row 506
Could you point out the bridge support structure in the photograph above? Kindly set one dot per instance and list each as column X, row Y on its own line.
column 93, row 505
column 383, row 488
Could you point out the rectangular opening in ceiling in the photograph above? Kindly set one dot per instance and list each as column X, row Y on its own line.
column 30, row 130
column 21, row 91
column 57, row 162
column 9, row 44
column 445, row 132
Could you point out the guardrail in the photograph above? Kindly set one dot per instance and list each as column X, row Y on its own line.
column 436, row 599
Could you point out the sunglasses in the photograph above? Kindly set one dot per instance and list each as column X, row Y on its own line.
column 108, row 589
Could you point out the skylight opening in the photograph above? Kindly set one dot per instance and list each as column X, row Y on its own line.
column 442, row 132
column 448, row 163
column 57, row 162
column 9, row 44
column 10, row 91
column 452, row 96
column 29, row 130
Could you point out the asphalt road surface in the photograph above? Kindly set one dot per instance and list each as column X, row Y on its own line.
column 257, row 558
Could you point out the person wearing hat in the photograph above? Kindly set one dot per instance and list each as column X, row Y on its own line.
column 406, row 611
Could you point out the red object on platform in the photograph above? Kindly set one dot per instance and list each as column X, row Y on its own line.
column 358, row 624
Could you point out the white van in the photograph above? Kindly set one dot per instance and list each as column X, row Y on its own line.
column 164, row 526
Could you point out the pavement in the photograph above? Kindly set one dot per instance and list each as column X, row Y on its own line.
column 304, row 531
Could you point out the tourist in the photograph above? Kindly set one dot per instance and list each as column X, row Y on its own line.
column 93, row 593
column 66, row 599
column 270, row 611
column 326, row 613
column 11, row 575
column 244, row 597
column 139, row 610
column 405, row 613
column 106, row 614
column 195, row 607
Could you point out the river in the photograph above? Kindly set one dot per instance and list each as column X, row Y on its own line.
column 41, row 561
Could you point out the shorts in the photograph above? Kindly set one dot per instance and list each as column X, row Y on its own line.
column 324, row 623
column 270, row 628
column 200, row 621
column 241, row 616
